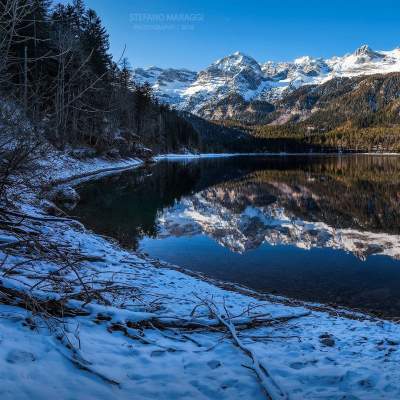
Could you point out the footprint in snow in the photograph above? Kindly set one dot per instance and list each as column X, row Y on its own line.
column 19, row 356
column 327, row 340
column 157, row 353
column 214, row 364
column 301, row 365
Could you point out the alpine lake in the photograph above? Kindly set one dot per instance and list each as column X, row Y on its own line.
column 320, row 228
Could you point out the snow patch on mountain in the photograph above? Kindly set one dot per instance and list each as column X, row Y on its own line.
column 168, row 84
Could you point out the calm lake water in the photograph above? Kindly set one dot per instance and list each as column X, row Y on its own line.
column 318, row 228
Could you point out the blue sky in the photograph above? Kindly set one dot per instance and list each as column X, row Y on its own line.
column 192, row 34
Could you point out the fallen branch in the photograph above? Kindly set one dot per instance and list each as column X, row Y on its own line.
column 272, row 389
column 35, row 218
column 215, row 324
column 84, row 366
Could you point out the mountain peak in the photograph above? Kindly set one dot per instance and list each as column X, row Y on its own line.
column 303, row 60
column 235, row 63
column 365, row 50
column 238, row 57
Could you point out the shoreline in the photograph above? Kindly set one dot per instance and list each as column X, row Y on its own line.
column 346, row 312
column 280, row 154
column 162, row 333
column 342, row 311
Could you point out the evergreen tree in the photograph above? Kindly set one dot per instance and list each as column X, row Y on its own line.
column 58, row 67
column 78, row 12
column 95, row 42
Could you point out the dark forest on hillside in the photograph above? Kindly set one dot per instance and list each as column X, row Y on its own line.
column 57, row 74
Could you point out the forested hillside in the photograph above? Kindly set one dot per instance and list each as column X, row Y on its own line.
column 356, row 114
column 58, row 77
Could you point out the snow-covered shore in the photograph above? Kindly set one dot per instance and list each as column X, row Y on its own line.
column 193, row 156
column 152, row 331
column 60, row 168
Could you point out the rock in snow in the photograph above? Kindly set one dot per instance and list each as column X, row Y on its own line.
column 66, row 194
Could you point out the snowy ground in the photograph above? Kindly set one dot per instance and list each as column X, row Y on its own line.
column 60, row 167
column 130, row 327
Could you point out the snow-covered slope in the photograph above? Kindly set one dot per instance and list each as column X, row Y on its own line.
column 168, row 84
column 269, row 81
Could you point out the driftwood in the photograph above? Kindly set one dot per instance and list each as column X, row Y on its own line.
column 84, row 365
column 273, row 391
column 39, row 219
column 215, row 324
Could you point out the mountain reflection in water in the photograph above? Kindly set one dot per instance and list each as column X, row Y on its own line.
column 312, row 227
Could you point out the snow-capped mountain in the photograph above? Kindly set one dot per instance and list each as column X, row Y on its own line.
column 168, row 84
column 239, row 74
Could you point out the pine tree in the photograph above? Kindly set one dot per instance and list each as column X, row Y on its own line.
column 28, row 52
column 95, row 42
column 125, row 75
column 78, row 12
column 59, row 69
